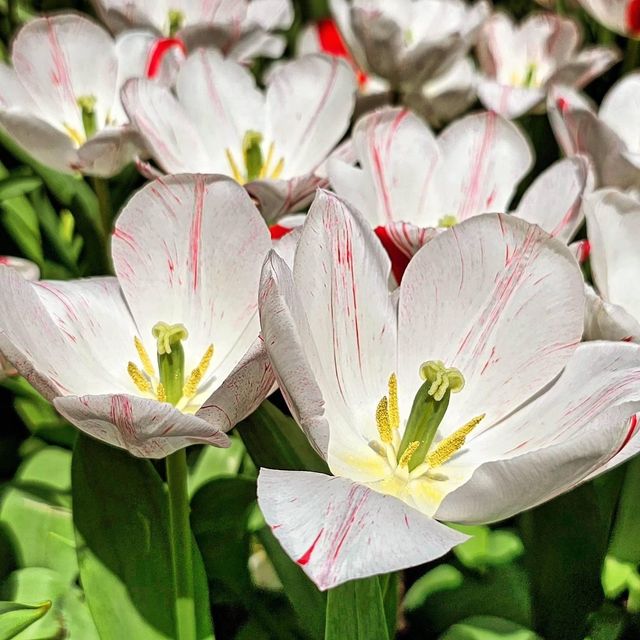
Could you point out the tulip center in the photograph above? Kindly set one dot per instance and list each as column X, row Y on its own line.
column 168, row 383
column 254, row 165
column 87, row 105
column 175, row 18
column 414, row 454
column 529, row 79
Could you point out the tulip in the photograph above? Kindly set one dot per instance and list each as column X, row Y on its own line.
column 167, row 353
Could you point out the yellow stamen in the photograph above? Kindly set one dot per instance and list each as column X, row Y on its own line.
column 195, row 377
column 138, row 378
column 452, row 444
column 267, row 162
column 382, row 420
column 77, row 137
column 275, row 174
column 235, row 170
column 147, row 365
column 412, row 447
column 394, row 412
column 161, row 394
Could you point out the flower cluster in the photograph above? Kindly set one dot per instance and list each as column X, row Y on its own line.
column 372, row 227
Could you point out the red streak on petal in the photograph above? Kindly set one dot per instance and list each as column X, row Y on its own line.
column 585, row 251
column 633, row 17
column 159, row 50
column 563, row 105
column 399, row 261
column 4, row 260
column 278, row 231
column 633, row 423
column 331, row 42
column 627, row 339
column 306, row 556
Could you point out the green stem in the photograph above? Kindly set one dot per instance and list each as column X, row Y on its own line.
column 631, row 56
column 181, row 552
column 101, row 187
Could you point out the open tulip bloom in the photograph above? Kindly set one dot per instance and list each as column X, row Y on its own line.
column 407, row 180
column 64, row 112
column 239, row 28
column 408, row 42
column 610, row 136
column 464, row 396
column 621, row 16
column 520, row 63
column 167, row 353
column 220, row 122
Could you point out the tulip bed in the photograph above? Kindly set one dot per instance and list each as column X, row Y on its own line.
column 319, row 319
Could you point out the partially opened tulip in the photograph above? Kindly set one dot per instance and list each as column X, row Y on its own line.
column 408, row 181
column 220, row 122
column 621, row 16
column 240, row 29
column 521, row 62
column 64, row 112
column 409, row 42
column 462, row 397
column 610, row 136
column 167, row 353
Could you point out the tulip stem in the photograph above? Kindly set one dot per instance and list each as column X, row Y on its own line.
column 631, row 55
column 101, row 188
column 181, row 552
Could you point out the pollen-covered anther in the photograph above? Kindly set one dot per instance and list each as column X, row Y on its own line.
column 161, row 394
column 382, row 420
column 394, row 411
column 442, row 378
column 408, row 453
column 138, row 378
column 450, row 445
column 147, row 364
column 195, row 377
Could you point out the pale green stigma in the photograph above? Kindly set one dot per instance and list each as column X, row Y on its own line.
column 168, row 335
column 448, row 221
column 87, row 105
column 170, row 359
column 252, row 154
column 442, row 378
column 530, row 77
column 176, row 20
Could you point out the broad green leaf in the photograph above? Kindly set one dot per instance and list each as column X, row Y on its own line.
column 565, row 544
column 609, row 623
column 275, row 441
column 15, row 186
column 487, row 548
column 488, row 628
column 219, row 517
column 21, row 222
column 625, row 537
column 390, row 588
column 355, row 611
column 307, row 600
column 16, row 617
column 35, row 511
column 214, row 462
column 120, row 512
column 68, row 617
column 619, row 578
column 442, row 578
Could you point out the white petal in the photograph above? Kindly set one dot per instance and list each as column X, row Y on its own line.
column 27, row 269
column 613, row 222
column 564, row 436
column 484, row 157
column 124, row 14
column 309, row 106
column 188, row 249
column 474, row 298
column 587, row 65
column 554, row 200
column 506, row 100
column 610, row 13
column 50, row 56
column 108, row 152
column 270, row 14
column 165, row 127
column 355, row 186
column 337, row 530
column 619, row 110
column 606, row 321
column 145, row 428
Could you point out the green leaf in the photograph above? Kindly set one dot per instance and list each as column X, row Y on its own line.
column 214, row 462
column 68, row 617
column 488, row 628
column 307, row 600
column 487, row 548
column 565, row 544
column 355, row 611
column 120, row 511
column 220, row 513
column 442, row 578
column 275, row 441
column 607, row 624
column 15, row 186
column 21, row 222
column 35, row 511
column 16, row 617
column 625, row 539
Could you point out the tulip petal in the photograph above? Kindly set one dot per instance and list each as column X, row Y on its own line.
column 337, row 530
column 169, row 273
column 508, row 101
column 484, row 157
column 309, row 103
column 145, row 428
column 606, row 321
column 619, row 110
column 473, row 297
column 554, row 200
column 564, row 436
